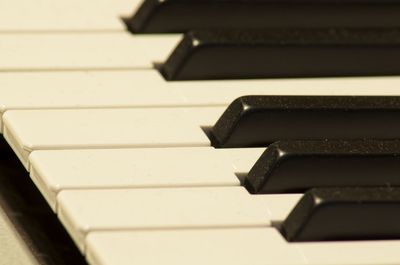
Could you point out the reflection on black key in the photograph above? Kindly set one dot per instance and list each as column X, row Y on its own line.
column 345, row 214
column 261, row 120
column 155, row 16
column 296, row 166
column 284, row 53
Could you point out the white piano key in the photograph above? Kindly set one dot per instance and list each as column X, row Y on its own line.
column 64, row 15
column 56, row 170
column 231, row 246
column 83, row 211
column 29, row 130
column 280, row 205
column 255, row 246
column 85, row 89
column 147, row 88
column 379, row 252
column 76, row 51
column 218, row 91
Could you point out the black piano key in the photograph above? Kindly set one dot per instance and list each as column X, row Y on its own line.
column 182, row 15
column 296, row 166
column 345, row 214
column 252, row 121
column 239, row 54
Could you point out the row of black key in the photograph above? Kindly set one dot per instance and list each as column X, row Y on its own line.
column 343, row 152
column 326, row 144
column 238, row 39
column 283, row 53
column 167, row 16
column 330, row 143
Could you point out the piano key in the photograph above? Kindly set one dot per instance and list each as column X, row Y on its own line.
column 181, row 16
column 256, row 246
column 238, row 54
column 261, row 120
column 296, row 166
column 76, row 51
column 72, row 15
column 345, row 214
column 84, row 211
column 350, row 252
column 29, row 130
column 230, row 246
column 57, row 170
column 124, row 88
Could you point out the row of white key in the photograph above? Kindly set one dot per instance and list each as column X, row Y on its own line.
column 57, row 170
column 173, row 215
column 110, row 224
column 184, row 213
column 79, row 228
column 178, row 220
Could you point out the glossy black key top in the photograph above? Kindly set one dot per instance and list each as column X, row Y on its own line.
column 285, row 53
column 296, row 166
column 156, row 16
column 261, row 120
column 345, row 214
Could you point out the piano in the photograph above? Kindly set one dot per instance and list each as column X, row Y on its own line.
column 203, row 132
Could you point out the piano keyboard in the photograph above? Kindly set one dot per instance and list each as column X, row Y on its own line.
column 130, row 167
